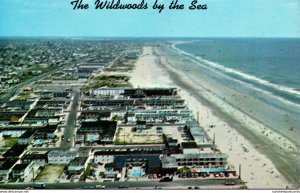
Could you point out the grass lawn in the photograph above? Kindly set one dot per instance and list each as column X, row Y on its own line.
column 132, row 138
column 50, row 173
column 9, row 142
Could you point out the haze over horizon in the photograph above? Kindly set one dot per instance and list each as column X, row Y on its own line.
column 224, row 18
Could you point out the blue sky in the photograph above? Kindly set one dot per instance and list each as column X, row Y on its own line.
column 224, row 18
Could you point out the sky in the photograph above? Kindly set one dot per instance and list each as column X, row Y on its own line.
column 223, row 18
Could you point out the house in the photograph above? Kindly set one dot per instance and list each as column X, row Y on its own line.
column 103, row 157
column 109, row 102
column 46, row 132
column 26, row 137
column 21, row 171
column 18, row 105
column 61, row 156
column 6, row 167
column 43, row 116
column 13, row 132
column 56, row 95
column 15, row 151
column 172, row 142
column 94, row 115
column 11, row 117
column 77, row 165
column 52, row 104
column 38, row 157
column 110, row 170
column 141, row 125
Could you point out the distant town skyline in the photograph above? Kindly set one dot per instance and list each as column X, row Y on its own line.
column 223, row 18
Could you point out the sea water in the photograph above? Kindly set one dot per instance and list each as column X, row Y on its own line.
column 269, row 64
column 260, row 77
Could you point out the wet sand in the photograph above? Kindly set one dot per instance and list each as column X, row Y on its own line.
column 233, row 137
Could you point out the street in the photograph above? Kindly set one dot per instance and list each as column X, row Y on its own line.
column 69, row 130
column 176, row 184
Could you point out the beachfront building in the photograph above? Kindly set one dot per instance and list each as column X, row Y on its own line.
column 159, row 102
column 163, row 115
column 134, row 92
column 200, row 137
column 196, row 162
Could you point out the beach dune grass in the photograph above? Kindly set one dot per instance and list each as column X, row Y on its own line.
column 109, row 81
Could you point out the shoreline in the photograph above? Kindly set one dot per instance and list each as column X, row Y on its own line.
column 151, row 71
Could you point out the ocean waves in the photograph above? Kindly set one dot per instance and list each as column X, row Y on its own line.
column 283, row 93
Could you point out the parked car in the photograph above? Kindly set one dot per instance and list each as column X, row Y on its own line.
column 229, row 183
column 100, row 187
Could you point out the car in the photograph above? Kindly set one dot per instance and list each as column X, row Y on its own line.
column 229, row 183
column 100, row 187
column 69, row 140
column 166, row 179
column 88, row 187
column 123, row 186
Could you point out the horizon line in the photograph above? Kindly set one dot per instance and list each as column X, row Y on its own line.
column 147, row 37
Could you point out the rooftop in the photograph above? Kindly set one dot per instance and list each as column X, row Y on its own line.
column 15, row 151
column 20, row 166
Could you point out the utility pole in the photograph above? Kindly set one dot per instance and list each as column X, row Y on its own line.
column 32, row 175
column 240, row 171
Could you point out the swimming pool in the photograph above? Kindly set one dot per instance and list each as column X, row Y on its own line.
column 136, row 172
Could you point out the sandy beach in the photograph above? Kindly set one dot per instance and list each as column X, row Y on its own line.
column 258, row 171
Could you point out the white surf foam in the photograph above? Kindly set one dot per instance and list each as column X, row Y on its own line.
column 242, row 74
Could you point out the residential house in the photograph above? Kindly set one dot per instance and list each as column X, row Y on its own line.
column 77, row 165
column 6, row 167
column 61, row 156
column 26, row 137
column 21, row 171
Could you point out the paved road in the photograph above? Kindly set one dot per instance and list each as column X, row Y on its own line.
column 176, row 184
column 160, row 147
column 12, row 91
column 69, row 131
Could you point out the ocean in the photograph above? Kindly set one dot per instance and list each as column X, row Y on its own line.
column 272, row 65
column 259, row 77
